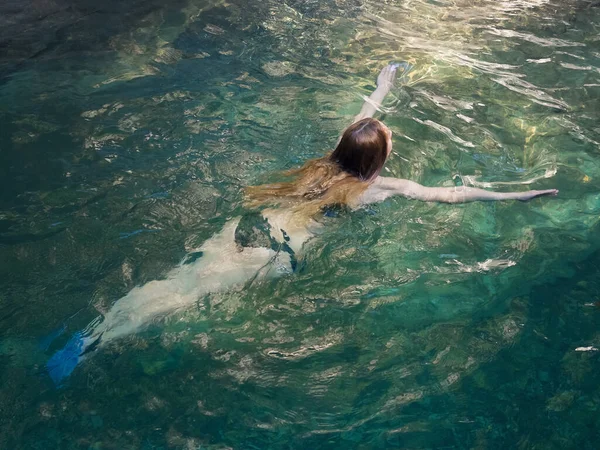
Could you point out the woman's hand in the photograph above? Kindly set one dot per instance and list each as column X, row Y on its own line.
column 526, row 196
column 385, row 81
column 386, row 77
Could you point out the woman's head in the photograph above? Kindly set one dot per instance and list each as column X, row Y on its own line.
column 337, row 179
column 363, row 149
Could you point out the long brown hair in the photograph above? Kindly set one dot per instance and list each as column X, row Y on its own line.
column 338, row 178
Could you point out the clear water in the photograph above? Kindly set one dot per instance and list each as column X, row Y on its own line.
column 127, row 131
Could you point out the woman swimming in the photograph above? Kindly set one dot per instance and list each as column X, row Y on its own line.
column 267, row 242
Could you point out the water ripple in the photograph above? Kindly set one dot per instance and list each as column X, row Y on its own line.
column 408, row 324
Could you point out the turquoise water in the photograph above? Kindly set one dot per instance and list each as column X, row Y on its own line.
column 127, row 131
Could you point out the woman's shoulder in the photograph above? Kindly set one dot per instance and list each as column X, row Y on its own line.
column 383, row 187
column 377, row 191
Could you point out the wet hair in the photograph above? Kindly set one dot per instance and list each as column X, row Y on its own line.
column 338, row 178
column 362, row 150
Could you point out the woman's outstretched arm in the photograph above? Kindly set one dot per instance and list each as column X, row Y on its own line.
column 385, row 187
column 385, row 81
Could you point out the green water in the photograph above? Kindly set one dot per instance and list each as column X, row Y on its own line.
column 127, row 132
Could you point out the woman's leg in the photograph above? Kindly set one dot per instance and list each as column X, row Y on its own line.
column 222, row 266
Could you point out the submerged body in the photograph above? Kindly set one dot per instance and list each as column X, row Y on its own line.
column 268, row 244
column 224, row 265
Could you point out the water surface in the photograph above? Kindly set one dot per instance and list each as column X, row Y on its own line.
column 127, row 131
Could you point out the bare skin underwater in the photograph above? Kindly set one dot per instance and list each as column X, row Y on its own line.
column 268, row 245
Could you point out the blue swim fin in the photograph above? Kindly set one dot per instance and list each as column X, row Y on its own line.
column 64, row 361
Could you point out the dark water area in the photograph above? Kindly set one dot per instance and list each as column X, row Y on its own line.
column 127, row 133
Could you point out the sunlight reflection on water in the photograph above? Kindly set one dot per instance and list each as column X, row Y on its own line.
column 409, row 325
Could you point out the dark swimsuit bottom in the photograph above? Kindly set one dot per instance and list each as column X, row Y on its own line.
column 254, row 231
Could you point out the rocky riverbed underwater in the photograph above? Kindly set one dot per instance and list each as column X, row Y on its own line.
column 127, row 131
